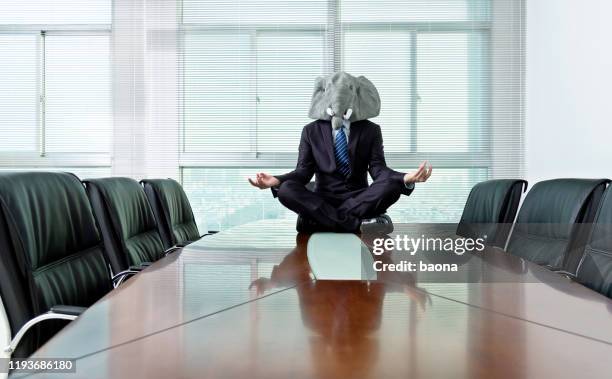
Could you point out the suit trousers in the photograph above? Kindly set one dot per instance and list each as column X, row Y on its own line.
column 340, row 212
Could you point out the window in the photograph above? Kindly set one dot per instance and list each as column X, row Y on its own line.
column 388, row 65
column 77, row 94
column 248, row 87
column 248, row 12
column 18, row 89
column 218, row 92
column 287, row 62
column 81, row 172
column 443, row 76
column 236, row 202
column 55, row 92
column 58, row 12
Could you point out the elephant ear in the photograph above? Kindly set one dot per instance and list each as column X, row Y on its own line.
column 317, row 105
column 367, row 100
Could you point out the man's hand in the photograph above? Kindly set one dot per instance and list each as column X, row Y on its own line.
column 263, row 181
column 421, row 175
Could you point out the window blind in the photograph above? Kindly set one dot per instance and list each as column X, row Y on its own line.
column 45, row 12
column 19, row 110
column 385, row 58
column 55, row 87
column 271, row 13
column 449, row 73
column 219, row 90
column 249, row 77
column 78, row 93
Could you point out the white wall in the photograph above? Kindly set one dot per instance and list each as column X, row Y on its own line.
column 568, row 122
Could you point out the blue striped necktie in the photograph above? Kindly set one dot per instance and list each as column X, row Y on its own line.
column 341, row 153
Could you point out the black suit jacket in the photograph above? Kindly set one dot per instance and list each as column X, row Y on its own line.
column 316, row 157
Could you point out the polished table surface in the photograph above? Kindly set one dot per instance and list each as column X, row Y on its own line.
column 244, row 303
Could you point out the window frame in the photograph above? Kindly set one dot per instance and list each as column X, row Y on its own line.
column 334, row 54
column 252, row 158
column 40, row 158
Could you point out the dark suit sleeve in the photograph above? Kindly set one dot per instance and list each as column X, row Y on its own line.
column 378, row 166
column 305, row 167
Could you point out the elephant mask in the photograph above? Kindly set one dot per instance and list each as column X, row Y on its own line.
column 342, row 96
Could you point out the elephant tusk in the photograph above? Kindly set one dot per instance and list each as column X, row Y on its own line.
column 348, row 113
column 330, row 112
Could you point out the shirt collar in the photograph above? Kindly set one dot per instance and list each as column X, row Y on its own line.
column 347, row 124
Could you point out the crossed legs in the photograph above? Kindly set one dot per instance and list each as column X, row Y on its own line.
column 340, row 212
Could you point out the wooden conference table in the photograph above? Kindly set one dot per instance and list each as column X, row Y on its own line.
column 243, row 304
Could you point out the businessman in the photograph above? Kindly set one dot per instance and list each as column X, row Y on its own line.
column 339, row 149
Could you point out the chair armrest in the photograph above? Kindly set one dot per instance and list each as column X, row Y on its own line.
column 132, row 270
column 57, row 312
column 561, row 272
column 566, row 274
column 71, row 310
column 140, row 267
column 120, row 277
column 172, row 250
column 124, row 273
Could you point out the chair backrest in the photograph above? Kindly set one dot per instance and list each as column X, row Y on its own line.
column 547, row 229
column 490, row 210
column 172, row 210
column 126, row 222
column 595, row 267
column 50, row 250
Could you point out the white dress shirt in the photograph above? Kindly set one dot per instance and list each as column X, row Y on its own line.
column 347, row 131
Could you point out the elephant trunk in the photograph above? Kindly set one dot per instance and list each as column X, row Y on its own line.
column 336, row 122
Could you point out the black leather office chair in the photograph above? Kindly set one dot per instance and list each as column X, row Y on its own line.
column 127, row 223
column 490, row 210
column 175, row 220
column 51, row 257
column 595, row 268
column 552, row 226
